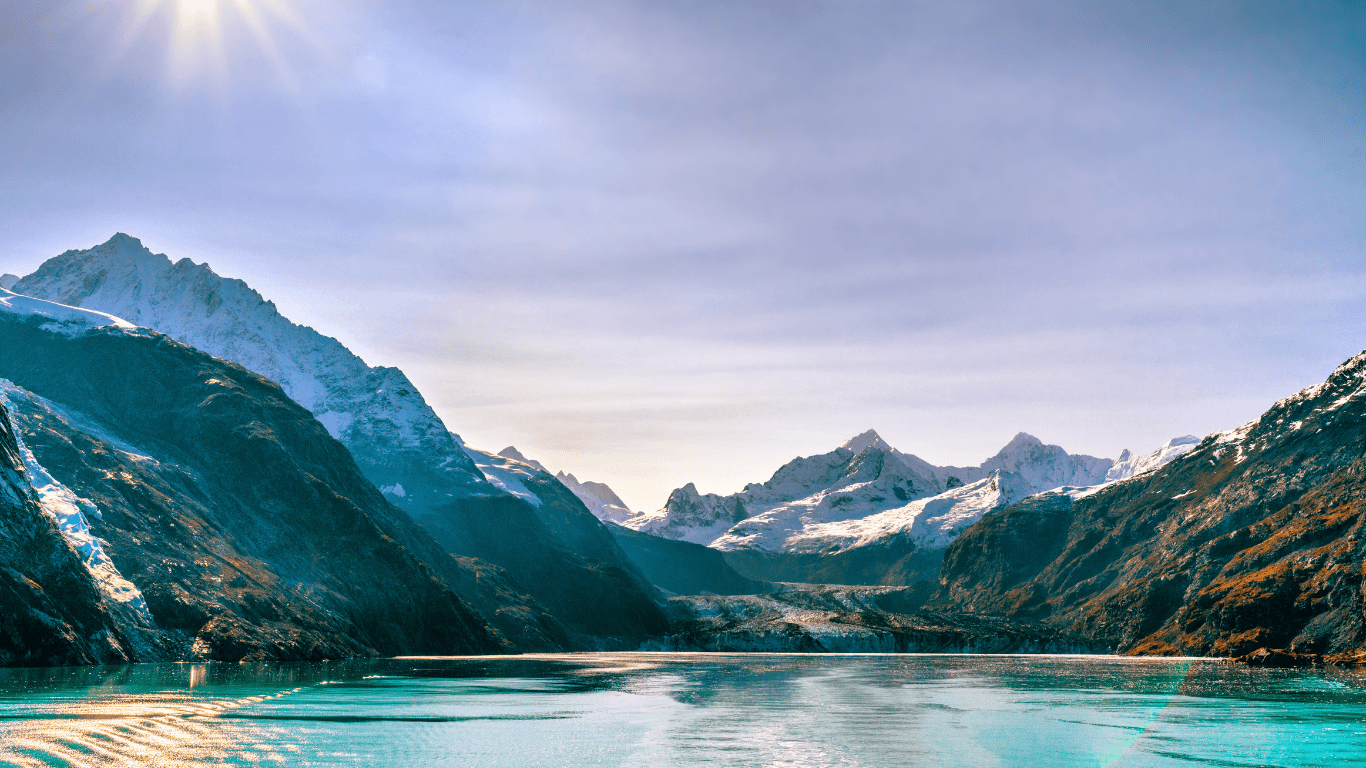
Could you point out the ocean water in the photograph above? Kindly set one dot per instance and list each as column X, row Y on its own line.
column 640, row 709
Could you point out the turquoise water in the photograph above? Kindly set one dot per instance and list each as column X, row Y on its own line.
column 637, row 709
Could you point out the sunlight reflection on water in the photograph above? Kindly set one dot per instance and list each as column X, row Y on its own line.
column 686, row 709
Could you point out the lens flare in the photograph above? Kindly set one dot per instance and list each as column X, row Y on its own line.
column 205, row 40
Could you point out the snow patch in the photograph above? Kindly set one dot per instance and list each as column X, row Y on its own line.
column 505, row 474
column 67, row 320
column 1129, row 465
column 931, row 522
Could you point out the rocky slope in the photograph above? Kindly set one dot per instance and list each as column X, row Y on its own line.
column 565, row 557
column 678, row 567
column 395, row 438
column 51, row 607
column 217, row 518
column 684, row 568
column 1251, row 539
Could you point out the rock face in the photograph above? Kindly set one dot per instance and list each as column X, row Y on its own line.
column 244, row 529
column 867, row 513
column 1250, row 540
column 557, row 553
column 51, row 609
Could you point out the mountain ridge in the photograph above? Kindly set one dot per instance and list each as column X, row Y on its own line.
column 397, row 441
column 1250, row 539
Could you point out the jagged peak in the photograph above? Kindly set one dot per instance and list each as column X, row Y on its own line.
column 866, row 440
column 7, row 281
column 130, row 248
column 1022, row 439
column 512, row 453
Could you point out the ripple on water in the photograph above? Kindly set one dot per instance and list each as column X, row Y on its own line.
column 686, row 709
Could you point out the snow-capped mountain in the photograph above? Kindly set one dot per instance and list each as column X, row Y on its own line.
column 601, row 500
column 1130, row 465
column 867, row 493
column 929, row 522
column 193, row 510
column 551, row 545
column 399, row 442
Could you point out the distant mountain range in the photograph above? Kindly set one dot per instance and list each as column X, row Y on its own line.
column 867, row 513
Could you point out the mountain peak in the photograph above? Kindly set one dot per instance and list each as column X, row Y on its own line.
column 1023, row 439
column 869, row 439
column 512, row 453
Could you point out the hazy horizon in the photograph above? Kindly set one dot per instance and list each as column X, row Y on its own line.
column 659, row 243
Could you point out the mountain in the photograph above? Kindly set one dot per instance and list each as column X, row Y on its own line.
column 679, row 567
column 394, row 437
column 1251, row 538
column 684, row 568
column 1129, row 464
column 867, row 513
column 601, row 500
column 208, row 515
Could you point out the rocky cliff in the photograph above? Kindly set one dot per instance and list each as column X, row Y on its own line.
column 51, row 608
column 1251, row 539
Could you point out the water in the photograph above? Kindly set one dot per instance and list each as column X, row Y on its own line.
column 682, row 709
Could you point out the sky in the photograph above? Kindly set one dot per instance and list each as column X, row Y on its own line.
column 661, row 242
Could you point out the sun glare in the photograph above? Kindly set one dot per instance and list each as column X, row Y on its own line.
column 201, row 33
column 199, row 10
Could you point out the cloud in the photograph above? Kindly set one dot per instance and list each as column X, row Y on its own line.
column 660, row 242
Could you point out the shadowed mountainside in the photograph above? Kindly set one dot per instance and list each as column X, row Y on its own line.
column 247, row 528
column 1253, row 539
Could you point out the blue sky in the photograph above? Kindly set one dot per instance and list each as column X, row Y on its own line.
column 662, row 242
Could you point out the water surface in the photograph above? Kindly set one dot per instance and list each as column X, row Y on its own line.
column 641, row 709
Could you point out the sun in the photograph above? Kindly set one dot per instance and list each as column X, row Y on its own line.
column 198, row 41
column 198, row 9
